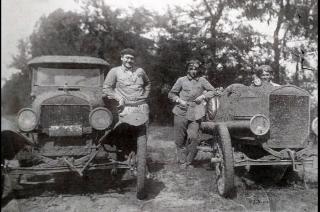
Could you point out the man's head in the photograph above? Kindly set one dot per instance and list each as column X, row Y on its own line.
column 265, row 73
column 193, row 67
column 127, row 57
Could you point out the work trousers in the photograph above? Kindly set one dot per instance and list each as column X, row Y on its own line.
column 186, row 134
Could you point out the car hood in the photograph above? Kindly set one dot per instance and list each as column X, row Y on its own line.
column 72, row 97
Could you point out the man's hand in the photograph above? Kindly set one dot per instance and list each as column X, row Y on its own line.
column 199, row 99
column 181, row 102
column 121, row 102
column 219, row 91
column 132, row 99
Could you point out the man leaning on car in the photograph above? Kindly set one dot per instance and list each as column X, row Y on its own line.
column 128, row 84
column 189, row 93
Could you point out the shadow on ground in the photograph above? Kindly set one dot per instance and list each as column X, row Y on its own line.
column 96, row 182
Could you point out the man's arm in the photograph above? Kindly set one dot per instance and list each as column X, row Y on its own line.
column 175, row 90
column 109, row 85
column 209, row 88
column 147, row 85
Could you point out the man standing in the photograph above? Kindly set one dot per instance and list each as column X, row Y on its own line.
column 127, row 84
column 189, row 93
column 130, row 86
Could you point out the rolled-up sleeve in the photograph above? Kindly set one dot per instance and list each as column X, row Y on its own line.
column 209, row 88
column 175, row 90
column 109, row 85
column 147, row 85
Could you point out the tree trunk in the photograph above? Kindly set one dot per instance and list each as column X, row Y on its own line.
column 213, row 47
column 276, row 42
column 214, row 18
column 297, row 74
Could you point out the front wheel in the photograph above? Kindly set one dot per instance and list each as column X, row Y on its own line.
column 224, row 168
column 6, row 185
column 141, row 165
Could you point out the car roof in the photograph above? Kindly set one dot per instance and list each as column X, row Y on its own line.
column 58, row 59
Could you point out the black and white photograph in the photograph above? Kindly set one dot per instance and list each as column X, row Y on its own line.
column 159, row 106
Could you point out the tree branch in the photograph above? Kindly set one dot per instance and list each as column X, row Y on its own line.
column 208, row 9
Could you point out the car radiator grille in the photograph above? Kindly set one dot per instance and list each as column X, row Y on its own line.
column 63, row 115
column 289, row 120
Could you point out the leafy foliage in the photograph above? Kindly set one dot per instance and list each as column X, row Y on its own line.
column 16, row 91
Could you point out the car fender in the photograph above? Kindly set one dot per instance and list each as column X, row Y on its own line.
column 12, row 140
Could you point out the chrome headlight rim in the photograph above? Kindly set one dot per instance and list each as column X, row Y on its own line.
column 92, row 113
column 267, row 128
column 35, row 123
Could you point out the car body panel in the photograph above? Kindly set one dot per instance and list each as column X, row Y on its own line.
column 287, row 107
column 61, row 60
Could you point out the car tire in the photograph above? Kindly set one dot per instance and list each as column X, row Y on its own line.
column 6, row 185
column 141, row 165
column 224, row 169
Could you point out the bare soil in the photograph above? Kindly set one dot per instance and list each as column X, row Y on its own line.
column 169, row 189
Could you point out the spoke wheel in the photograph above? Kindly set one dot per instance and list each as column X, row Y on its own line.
column 225, row 168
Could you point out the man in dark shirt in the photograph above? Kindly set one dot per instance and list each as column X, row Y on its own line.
column 189, row 93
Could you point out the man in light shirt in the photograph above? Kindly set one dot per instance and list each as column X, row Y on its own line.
column 130, row 87
column 127, row 83
column 189, row 94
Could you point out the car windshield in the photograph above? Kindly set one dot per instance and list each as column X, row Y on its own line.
column 71, row 77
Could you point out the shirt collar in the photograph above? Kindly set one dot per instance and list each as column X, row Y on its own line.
column 190, row 78
column 125, row 69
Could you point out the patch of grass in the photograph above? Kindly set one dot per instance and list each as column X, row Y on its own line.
column 161, row 132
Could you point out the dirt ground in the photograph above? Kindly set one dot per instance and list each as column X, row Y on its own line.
column 169, row 189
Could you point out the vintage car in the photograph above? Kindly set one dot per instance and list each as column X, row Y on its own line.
column 69, row 128
column 261, row 125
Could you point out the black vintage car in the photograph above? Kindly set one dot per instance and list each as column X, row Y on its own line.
column 68, row 127
column 258, row 126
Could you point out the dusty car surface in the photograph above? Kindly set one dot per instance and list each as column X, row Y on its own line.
column 68, row 127
column 258, row 126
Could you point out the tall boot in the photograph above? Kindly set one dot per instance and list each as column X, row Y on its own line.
column 192, row 152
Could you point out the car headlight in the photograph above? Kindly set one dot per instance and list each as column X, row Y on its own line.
column 314, row 126
column 27, row 120
column 100, row 118
column 259, row 124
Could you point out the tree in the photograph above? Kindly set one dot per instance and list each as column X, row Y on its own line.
column 15, row 92
column 296, row 19
column 203, row 29
column 58, row 34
